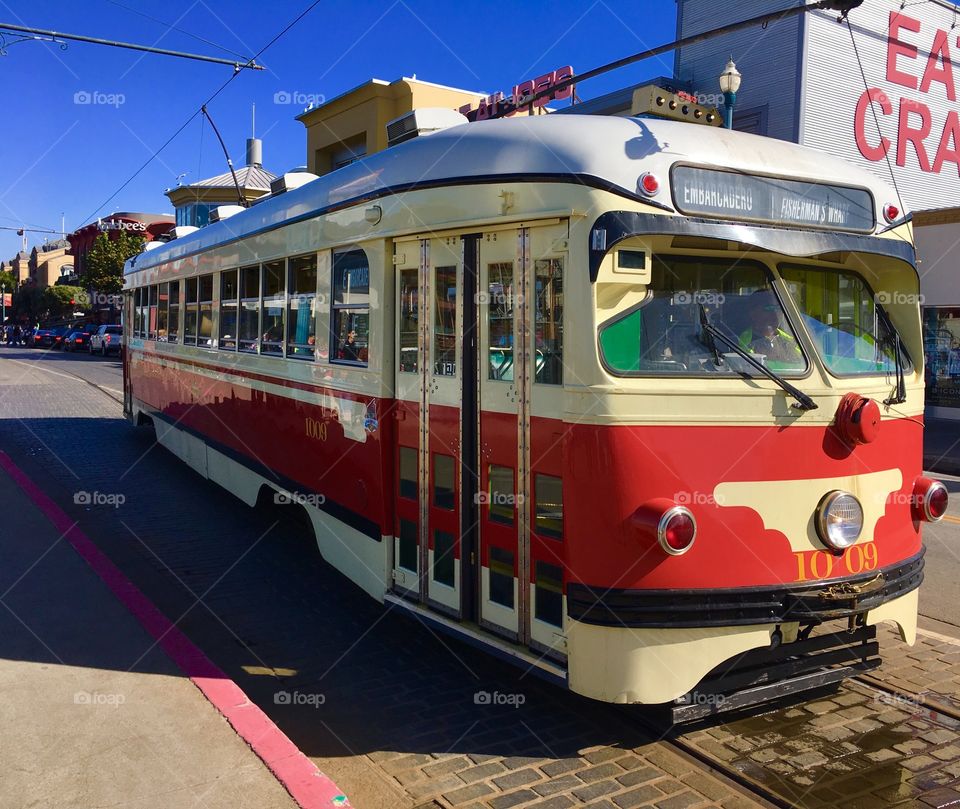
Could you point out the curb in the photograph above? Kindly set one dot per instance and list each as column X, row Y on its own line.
column 308, row 787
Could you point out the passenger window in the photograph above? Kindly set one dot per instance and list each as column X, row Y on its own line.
column 409, row 321
column 152, row 316
column 409, row 482
column 173, row 319
column 205, row 317
column 548, row 593
column 249, row 309
column 501, row 495
column 163, row 313
column 501, row 576
column 548, row 493
column 445, row 322
column 192, row 313
column 228, row 310
column 444, row 561
column 548, row 290
column 302, row 313
column 499, row 302
column 271, row 338
column 444, row 482
column 350, row 308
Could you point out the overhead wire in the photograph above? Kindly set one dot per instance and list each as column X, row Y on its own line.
column 198, row 111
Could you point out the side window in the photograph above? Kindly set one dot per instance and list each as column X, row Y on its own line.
column 191, row 314
column 152, row 316
column 249, row 309
column 173, row 319
column 548, row 494
column 228, row 309
column 205, row 317
column 409, row 321
column 274, row 302
column 500, row 300
column 163, row 313
column 548, row 287
column 137, row 313
column 350, row 308
column 301, row 308
column 445, row 322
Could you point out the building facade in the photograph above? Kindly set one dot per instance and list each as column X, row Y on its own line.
column 193, row 203
column 881, row 92
column 49, row 263
column 148, row 225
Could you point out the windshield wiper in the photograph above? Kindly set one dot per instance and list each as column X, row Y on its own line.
column 803, row 402
column 893, row 336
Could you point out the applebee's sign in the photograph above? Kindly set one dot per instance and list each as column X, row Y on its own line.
column 121, row 224
column 492, row 105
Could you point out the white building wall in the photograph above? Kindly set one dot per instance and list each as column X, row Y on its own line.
column 938, row 251
column 834, row 86
column 769, row 60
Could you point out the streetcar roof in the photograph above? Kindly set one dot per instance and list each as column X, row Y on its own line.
column 609, row 152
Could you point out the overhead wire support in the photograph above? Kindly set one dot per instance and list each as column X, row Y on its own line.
column 517, row 104
column 57, row 36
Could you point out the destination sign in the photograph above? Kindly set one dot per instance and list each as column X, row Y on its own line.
column 728, row 195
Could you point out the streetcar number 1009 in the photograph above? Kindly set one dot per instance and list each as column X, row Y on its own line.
column 823, row 565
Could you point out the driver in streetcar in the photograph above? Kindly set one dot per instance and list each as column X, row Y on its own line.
column 765, row 336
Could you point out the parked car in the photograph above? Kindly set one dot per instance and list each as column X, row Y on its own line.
column 77, row 340
column 42, row 338
column 59, row 335
column 106, row 340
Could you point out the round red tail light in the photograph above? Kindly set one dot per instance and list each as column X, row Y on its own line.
column 891, row 212
column 677, row 530
column 649, row 185
column 931, row 499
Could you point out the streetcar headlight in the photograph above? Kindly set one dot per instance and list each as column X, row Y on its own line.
column 931, row 499
column 676, row 530
column 839, row 520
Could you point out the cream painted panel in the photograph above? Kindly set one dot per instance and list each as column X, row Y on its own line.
column 902, row 612
column 788, row 506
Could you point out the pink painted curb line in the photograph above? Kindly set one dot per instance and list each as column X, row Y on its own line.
column 309, row 787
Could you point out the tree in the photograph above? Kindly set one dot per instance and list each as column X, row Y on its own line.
column 27, row 301
column 104, row 266
column 61, row 301
column 7, row 281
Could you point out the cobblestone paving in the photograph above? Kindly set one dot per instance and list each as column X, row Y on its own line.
column 386, row 708
column 931, row 667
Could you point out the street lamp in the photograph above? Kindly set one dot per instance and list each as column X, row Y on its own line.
column 729, row 84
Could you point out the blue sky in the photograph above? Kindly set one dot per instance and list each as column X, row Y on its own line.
column 59, row 155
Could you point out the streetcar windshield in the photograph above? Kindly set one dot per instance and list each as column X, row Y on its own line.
column 845, row 319
column 665, row 333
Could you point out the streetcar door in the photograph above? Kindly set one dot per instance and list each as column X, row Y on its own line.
column 428, row 563
column 521, row 368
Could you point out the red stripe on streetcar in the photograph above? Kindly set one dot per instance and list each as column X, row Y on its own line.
column 309, row 787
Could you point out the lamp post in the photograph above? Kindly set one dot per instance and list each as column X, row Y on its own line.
column 729, row 84
column 3, row 305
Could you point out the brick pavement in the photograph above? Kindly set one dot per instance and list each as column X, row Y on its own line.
column 932, row 666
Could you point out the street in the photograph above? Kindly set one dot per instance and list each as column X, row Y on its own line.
column 389, row 709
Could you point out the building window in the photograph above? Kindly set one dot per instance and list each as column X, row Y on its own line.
column 350, row 308
column 173, row 321
column 273, row 304
column 249, row 309
column 941, row 348
column 192, row 313
column 302, row 311
column 229, row 290
column 194, row 214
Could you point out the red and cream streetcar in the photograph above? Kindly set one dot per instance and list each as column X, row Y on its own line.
column 634, row 402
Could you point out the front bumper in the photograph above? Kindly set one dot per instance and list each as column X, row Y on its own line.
column 743, row 606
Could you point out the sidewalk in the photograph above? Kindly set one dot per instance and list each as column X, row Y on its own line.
column 941, row 446
column 94, row 712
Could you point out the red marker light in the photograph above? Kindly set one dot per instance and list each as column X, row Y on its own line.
column 649, row 185
column 891, row 213
column 930, row 499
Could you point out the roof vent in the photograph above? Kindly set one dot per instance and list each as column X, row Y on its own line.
column 424, row 121
column 222, row 212
column 290, row 180
column 177, row 232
